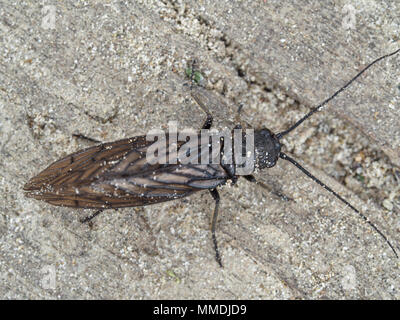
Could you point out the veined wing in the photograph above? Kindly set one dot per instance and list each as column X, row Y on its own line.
column 117, row 174
column 84, row 165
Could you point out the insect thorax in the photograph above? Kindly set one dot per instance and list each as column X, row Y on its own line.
column 267, row 148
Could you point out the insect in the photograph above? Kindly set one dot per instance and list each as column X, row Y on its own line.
column 117, row 174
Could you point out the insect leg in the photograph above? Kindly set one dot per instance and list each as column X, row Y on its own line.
column 216, row 197
column 207, row 124
column 279, row 194
column 89, row 218
column 81, row 136
column 240, row 121
column 250, row 178
column 237, row 117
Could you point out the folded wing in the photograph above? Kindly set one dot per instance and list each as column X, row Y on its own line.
column 117, row 174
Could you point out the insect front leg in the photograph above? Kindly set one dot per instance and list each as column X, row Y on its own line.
column 279, row 194
column 207, row 124
column 215, row 195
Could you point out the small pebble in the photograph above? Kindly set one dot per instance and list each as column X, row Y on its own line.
column 387, row 204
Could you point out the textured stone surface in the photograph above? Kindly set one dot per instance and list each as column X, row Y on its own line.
column 115, row 70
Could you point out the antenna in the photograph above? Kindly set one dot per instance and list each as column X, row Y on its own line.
column 315, row 179
column 318, row 108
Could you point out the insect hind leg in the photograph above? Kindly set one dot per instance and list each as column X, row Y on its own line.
column 207, row 124
column 216, row 197
column 89, row 219
column 83, row 137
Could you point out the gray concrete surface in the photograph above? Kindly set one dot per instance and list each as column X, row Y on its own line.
column 113, row 70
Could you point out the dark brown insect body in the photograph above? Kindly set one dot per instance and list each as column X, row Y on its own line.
column 117, row 174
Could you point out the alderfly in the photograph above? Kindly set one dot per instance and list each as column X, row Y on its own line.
column 119, row 174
